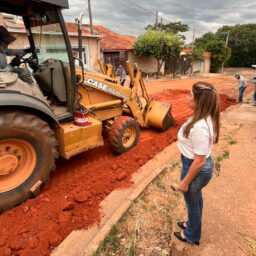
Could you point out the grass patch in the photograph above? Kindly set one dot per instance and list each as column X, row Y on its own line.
column 143, row 197
column 164, row 172
column 176, row 164
column 133, row 233
column 230, row 139
column 225, row 155
column 217, row 164
column 144, row 207
column 157, row 181
column 153, row 208
column 131, row 250
column 219, row 159
column 168, row 219
column 232, row 142
column 110, row 244
column 136, row 200
column 126, row 216
column 177, row 194
column 251, row 242
column 217, row 169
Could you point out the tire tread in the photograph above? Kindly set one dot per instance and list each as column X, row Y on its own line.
column 11, row 119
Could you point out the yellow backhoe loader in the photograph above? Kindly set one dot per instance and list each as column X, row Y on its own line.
column 65, row 110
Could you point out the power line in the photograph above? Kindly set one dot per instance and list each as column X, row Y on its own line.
column 148, row 11
column 141, row 7
column 138, row 9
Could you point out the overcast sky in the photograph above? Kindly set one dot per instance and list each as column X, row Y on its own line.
column 132, row 16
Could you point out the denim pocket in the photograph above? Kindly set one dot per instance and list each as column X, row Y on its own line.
column 201, row 180
column 208, row 165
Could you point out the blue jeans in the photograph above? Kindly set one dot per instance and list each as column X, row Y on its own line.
column 17, row 70
column 193, row 197
column 254, row 92
column 241, row 92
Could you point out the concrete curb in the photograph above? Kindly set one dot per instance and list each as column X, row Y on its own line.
column 85, row 242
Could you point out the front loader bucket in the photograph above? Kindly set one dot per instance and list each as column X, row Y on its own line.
column 159, row 115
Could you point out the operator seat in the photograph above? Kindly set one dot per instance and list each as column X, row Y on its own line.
column 51, row 79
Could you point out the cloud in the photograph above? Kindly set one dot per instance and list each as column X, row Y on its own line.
column 132, row 16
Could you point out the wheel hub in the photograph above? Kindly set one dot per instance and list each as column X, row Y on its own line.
column 17, row 162
column 8, row 164
column 128, row 136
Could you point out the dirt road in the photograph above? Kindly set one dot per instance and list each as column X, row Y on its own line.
column 229, row 227
column 71, row 200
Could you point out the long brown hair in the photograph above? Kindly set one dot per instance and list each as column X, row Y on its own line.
column 206, row 103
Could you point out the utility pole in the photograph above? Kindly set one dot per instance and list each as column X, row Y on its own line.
column 222, row 68
column 193, row 40
column 79, row 26
column 156, row 20
column 193, row 46
column 161, row 25
column 90, row 15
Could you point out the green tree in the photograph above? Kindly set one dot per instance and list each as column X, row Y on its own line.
column 163, row 46
column 242, row 41
column 220, row 54
column 171, row 27
column 197, row 55
column 201, row 42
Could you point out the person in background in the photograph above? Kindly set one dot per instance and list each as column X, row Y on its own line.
column 241, row 86
column 195, row 141
column 122, row 75
column 254, row 95
column 5, row 40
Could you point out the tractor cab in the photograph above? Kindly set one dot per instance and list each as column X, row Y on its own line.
column 51, row 63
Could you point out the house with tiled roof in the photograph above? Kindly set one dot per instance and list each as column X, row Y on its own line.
column 108, row 45
column 117, row 49
column 199, row 66
column 90, row 43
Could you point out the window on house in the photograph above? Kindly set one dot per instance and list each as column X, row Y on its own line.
column 85, row 55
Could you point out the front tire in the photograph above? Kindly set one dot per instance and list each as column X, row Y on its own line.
column 124, row 134
column 28, row 150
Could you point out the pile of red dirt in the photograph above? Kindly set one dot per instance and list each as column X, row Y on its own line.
column 71, row 200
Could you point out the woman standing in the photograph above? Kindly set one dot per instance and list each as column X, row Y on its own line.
column 195, row 140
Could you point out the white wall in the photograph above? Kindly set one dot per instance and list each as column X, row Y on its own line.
column 146, row 64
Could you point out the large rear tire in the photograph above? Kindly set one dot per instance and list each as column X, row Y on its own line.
column 28, row 150
column 124, row 134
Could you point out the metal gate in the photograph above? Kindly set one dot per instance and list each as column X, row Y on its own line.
column 114, row 59
column 179, row 66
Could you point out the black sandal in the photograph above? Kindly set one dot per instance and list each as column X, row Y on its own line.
column 181, row 224
column 178, row 235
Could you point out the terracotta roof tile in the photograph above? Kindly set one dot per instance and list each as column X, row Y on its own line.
column 186, row 50
column 113, row 41
column 71, row 27
column 207, row 54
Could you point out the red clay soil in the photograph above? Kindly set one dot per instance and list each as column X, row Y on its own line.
column 71, row 200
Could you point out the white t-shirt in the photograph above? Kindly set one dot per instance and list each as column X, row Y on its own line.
column 242, row 82
column 200, row 139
